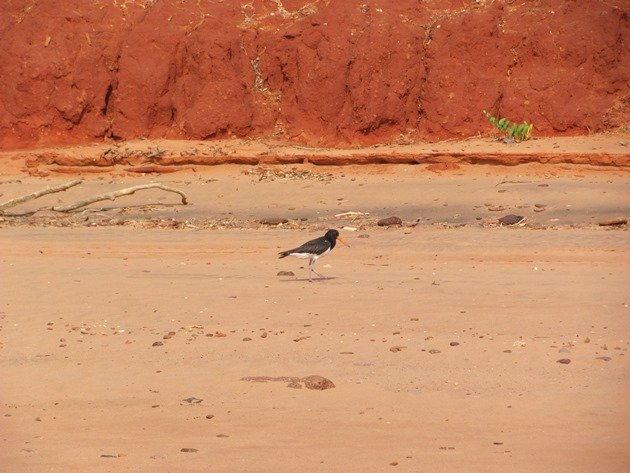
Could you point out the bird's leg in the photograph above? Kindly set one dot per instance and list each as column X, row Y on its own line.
column 312, row 266
column 310, row 270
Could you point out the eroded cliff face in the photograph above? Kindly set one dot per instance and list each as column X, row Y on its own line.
column 325, row 72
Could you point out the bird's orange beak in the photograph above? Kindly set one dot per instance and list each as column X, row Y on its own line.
column 340, row 238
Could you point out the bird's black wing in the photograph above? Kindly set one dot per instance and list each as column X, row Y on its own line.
column 316, row 246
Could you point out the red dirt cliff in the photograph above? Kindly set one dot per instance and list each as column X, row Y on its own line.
column 323, row 72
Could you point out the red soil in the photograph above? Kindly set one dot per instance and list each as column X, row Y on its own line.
column 323, row 73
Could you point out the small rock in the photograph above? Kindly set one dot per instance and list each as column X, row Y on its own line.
column 564, row 361
column 396, row 349
column 222, row 436
column 318, row 382
column 273, row 221
column 511, row 219
column 389, row 221
column 192, row 400
column 363, row 235
column 247, row 339
column 587, row 340
column 209, row 416
column 454, row 344
column 157, row 344
column 393, row 464
column 497, row 208
column 219, row 334
column 263, row 335
column 433, row 351
column 106, row 455
column 564, row 350
column 613, row 222
column 189, row 450
column 286, row 273
column 605, row 358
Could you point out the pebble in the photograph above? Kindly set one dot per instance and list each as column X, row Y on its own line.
column 247, row 339
column 389, row 221
column 605, row 358
column 564, row 350
column 157, row 344
column 564, row 361
column 189, row 450
column 454, row 344
column 363, row 235
column 395, row 349
column 317, row 382
column 192, row 400
column 209, row 416
column 511, row 219
column 222, row 435
column 286, row 273
column 613, row 222
column 263, row 335
column 433, row 351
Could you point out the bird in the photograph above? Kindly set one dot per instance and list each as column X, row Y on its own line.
column 315, row 249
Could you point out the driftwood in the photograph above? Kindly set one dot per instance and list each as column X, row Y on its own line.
column 35, row 195
column 118, row 193
column 82, row 203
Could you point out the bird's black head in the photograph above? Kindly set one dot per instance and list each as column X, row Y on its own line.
column 332, row 236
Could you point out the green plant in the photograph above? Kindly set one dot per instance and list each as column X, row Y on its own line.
column 518, row 132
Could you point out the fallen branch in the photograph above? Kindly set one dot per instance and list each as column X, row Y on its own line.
column 35, row 195
column 119, row 193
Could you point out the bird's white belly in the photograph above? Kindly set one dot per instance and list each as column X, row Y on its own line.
column 309, row 255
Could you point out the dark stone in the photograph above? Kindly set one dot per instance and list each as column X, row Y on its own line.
column 511, row 219
column 273, row 221
column 389, row 221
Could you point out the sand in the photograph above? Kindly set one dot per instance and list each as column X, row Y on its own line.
column 442, row 337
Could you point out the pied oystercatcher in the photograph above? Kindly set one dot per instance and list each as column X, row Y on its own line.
column 315, row 249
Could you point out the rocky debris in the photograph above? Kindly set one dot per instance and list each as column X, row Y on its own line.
column 564, row 361
column 615, row 222
column 286, row 273
column 396, row 349
column 389, row 221
column 271, row 174
column 511, row 219
column 315, row 382
column 157, row 344
column 273, row 221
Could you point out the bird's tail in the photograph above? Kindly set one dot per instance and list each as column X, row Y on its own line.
column 284, row 254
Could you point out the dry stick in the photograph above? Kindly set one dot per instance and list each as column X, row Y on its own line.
column 35, row 195
column 119, row 193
